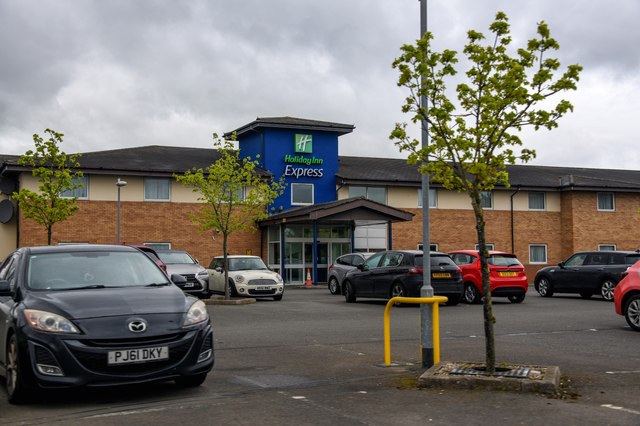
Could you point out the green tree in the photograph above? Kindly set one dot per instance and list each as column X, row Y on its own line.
column 53, row 169
column 235, row 194
column 474, row 139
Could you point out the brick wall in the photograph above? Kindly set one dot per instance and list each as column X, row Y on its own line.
column 95, row 222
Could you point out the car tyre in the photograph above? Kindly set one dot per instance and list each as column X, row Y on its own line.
column 544, row 287
column 349, row 292
column 232, row 289
column 16, row 389
column 334, row 287
column 471, row 294
column 632, row 312
column 606, row 289
column 397, row 290
column 191, row 381
column 516, row 298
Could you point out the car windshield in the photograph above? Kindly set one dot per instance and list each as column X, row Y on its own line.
column 246, row 264
column 503, row 260
column 175, row 257
column 92, row 269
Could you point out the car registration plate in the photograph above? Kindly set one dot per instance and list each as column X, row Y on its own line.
column 263, row 287
column 130, row 356
column 188, row 285
column 441, row 275
column 507, row 274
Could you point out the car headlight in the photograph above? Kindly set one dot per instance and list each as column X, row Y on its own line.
column 197, row 313
column 203, row 275
column 49, row 322
column 238, row 278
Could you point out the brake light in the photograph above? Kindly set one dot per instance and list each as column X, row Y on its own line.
column 416, row 271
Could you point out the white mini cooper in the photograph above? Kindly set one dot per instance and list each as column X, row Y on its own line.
column 248, row 276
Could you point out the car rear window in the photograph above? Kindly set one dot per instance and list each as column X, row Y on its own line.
column 631, row 259
column 503, row 260
column 440, row 260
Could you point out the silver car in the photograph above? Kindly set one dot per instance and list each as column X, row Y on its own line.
column 181, row 262
column 342, row 265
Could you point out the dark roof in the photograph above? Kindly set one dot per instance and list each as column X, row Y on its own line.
column 396, row 172
column 146, row 160
column 293, row 123
column 166, row 160
column 357, row 208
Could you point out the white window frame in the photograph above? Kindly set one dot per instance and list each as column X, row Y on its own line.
column 432, row 246
column 144, row 189
column 544, row 200
column 607, row 247
column 294, row 203
column 433, row 198
column 490, row 199
column 84, row 180
column 490, row 246
column 546, row 256
column 158, row 245
column 613, row 201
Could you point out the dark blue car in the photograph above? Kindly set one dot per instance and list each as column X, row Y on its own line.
column 96, row 315
column 400, row 273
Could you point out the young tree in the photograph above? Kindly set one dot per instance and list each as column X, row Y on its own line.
column 235, row 195
column 472, row 141
column 53, row 168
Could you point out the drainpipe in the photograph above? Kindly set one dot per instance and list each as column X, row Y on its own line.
column 513, row 250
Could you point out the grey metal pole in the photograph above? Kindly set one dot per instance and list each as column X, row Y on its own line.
column 118, row 225
column 426, row 329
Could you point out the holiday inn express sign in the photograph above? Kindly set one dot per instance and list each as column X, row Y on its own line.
column 303, row 144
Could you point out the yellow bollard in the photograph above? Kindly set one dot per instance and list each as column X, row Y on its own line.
column 435, row 301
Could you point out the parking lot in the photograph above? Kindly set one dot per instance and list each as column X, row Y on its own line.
column 314, row 359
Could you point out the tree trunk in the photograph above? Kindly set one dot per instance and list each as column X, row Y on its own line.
column 49, row 233
column 227, row 289
column 487, row 306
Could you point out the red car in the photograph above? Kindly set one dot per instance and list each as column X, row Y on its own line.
column 506, row 275
column 626, row 296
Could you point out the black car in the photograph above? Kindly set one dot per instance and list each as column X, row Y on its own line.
column 586, row 273
column 96, row 315
column 339, row 268
column 181, row 262
column 400, row 273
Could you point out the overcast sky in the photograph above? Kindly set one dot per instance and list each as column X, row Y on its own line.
column 124, row 73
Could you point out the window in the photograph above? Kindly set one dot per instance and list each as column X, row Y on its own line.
column 432, row 247
column 486, row 199
column 81, row 192
column 301, row 193
column 373, row 193
column 159, row 246
column 537, row 201
column 606, row 247
column 606, row 201
column 433, row 198
column 156, row 189
column 537, row 253
column 490, row 246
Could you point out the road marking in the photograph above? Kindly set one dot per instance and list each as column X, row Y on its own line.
column 623, row 372
column 615, row 407
column 126, row 413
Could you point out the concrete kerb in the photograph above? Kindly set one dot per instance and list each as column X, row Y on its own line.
column 543, row 379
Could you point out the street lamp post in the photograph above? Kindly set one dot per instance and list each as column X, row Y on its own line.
column 119, row 183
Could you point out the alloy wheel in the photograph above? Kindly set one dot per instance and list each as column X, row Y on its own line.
column 632, row 312
column 606, row 290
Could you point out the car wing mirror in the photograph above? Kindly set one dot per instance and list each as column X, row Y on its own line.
column 561, row 265
column 178, row 279
column 5, row 288
column 361, row 267
column 218, row 269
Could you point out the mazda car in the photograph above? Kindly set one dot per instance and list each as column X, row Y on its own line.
column 97, row 315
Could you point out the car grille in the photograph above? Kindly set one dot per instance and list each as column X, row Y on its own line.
column 262, row 282
column 262, row 292
column 92, row 354
column 191, row 278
